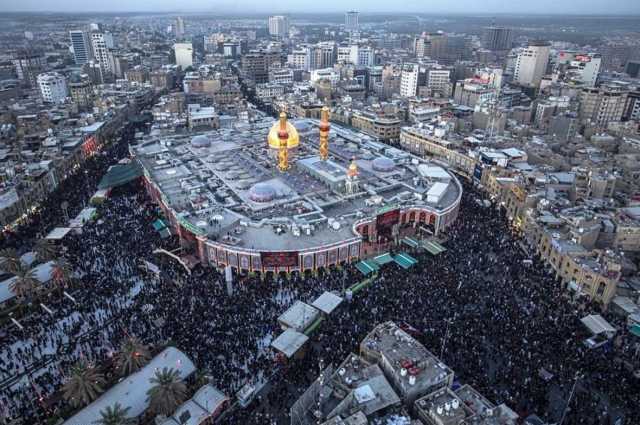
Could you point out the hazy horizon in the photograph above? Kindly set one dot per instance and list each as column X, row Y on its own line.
column 469, row 7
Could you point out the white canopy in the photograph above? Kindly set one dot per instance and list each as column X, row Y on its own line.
column 289, row 342
column 58, row 233
column 132, row 391
column 598, row 325
column 327, row 302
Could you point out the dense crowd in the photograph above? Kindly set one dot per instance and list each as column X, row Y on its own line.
column 496, row 320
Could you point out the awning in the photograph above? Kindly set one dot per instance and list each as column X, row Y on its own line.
column 120, row 174
column 635, row 330
column 410, row 242
column 159, row 225
column 289, row 342
column 437, row 245
column 367, row 267
column 433, row 248
column 404, row 260
column 383, row 259
column 598, row 325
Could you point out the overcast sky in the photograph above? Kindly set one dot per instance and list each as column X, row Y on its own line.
column 264, row 6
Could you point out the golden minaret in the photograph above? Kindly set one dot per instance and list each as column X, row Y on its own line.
column 283, row 150
column 324, row 133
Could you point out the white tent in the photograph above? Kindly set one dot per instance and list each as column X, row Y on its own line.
column 132, row 391
column 327, row 302
column 58, row 233
column 597, row 325
column 289, row 342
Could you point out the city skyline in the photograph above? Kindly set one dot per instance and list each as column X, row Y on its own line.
column 498, row 7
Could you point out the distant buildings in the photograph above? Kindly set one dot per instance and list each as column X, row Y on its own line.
column 497, row 38
column 81, row 46
column 184, row 54
column 53, row 87
column 178, row 28
column 603, row 104
column 351, row 21
column 531, row 64
column 279, row 26
column 101, row 44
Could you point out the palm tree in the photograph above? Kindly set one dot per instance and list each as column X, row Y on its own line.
column 133, row 356
column 115, row 415
column 61, row 273
column 44, row 250
column 9, row 260
column 168, row 392
column 84, row 384
column 25, row 284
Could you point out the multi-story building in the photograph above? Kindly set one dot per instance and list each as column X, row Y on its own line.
column 531, row 64
column 409, row 80
column 256, row 65
column 423, row 142
column 281, row 76
column 385, row 128
column 81, row 91
column 200, row 117
column 53, row 87
column 178, row 27
column 268, row 91
column 497, row 38
column 603, row 104
column 101, row 43
column 579, row 68
column 81, row 46
column 279, row 26
column 471, row 92
column 184, row 54
column 300, row 58
column 28, row 64
column 351, row 21
column 162, row 79
column 362, row 55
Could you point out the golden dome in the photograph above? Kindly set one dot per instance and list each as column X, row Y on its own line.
column 352, row 171
column 274, row 140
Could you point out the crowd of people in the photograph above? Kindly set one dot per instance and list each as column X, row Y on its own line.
column 495, row 320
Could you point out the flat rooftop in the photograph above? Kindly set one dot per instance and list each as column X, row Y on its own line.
column 225, row 184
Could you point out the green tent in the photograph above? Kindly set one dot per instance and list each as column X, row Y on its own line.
column 159, row 225
column 120, row 174
column 404, row 260
column 410, row 242
column 383, row 259
column 367, row 267
column 433, row 248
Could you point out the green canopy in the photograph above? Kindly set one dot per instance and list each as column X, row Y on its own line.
column 433, row 248
column 383, row 259
column 410, row 242
column 635, row 330
column 437, row 245
column 367, row 267
column 120, row 174
column 159, row 225
column 404, row 260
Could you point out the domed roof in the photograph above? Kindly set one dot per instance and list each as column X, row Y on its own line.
column 274, row 140
column 262, row 192
column 383, row 164
column 200, row 141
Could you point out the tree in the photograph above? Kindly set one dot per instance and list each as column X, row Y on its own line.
column 25, row 284
column 9, row 260
column 45, row 251
column 132, row 357
column 168, row 392
column 115, row 415
column 84, row 384
column 61, row 273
